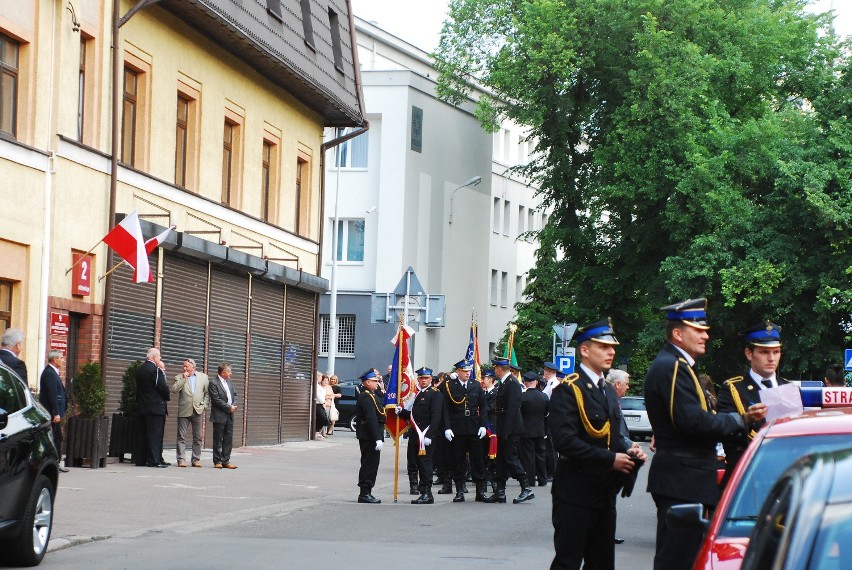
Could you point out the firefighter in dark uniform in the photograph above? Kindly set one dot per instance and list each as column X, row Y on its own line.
column 585, row 422
column 424, row 415
column 466, row 416
column 685, row 431
column 510, row 426
column 370, row 431
column 489, row 443
column 534, row 409
column 763, row 352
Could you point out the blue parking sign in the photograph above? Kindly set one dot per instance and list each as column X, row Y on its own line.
column 565, row 364
column 848, row 359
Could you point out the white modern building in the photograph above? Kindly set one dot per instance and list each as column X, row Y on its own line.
column 426, row 187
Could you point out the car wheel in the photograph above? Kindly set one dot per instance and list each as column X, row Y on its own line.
column 30, row 546
column 352, row 423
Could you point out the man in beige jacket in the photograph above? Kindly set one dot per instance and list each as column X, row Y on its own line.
column 193, row 399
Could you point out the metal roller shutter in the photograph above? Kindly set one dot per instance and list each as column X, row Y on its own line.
column 131, row 325
column 296, row 404
column 227, row 340
column 264, row 386
column 183, row 317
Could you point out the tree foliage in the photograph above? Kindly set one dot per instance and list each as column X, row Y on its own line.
column 690, row 148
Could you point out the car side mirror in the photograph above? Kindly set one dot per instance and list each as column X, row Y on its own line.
column 687, row 517
column 4, row 418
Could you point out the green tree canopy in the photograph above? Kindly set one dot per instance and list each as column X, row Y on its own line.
column 687, row 149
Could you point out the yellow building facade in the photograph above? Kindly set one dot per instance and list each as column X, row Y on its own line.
column 223, row 105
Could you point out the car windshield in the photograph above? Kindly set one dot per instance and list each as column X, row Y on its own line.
column 833, row 546
column 769, row 461
column 632, row 403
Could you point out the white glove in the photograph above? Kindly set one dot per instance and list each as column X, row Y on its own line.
column 481, row 432
column 398, row 410
column 379, row 444
column 453, row 375
column 449, row 434
column 427, row 441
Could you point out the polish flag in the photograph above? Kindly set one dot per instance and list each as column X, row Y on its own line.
column 150, row 246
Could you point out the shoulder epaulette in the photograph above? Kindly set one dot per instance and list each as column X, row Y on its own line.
column 734, row 380
column 570, row 379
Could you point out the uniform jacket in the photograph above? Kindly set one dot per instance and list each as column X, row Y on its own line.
column 51, row 392
column 371, row 416
column 219, row 407
column 586, row 458
column 736, row 395
column 189, row 401
column 464, row 409
column 534, row 408
column 685, row 430
column 9, row 359
column 152, row 391
column 507, row 407
column 427, row 412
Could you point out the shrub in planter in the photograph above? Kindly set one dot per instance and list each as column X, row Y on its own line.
column 123, row 431
column 88, row 430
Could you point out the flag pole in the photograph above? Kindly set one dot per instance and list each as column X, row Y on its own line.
column 399, row 340
column 80, row 258
column 114, row 267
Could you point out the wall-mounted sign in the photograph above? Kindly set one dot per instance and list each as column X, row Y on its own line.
column 59, row 344
column 58, row 324
column 81, row 277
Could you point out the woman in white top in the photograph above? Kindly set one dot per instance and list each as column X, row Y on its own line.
column 319, row 399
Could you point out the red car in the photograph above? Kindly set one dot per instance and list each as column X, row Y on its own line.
column 773, row 450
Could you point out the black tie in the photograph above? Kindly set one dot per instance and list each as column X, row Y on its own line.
column 602, row 386
column 766, row 382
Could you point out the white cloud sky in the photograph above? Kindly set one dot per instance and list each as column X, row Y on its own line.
column 420, row 23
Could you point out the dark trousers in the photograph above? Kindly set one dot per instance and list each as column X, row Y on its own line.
column 460, row 447
column 56, row 430
column 532, row 454
column 419, row 464
column 550, row 455
column 675, row 548
column 369, row 464
column 508, row 462
column 490, row 464
column 583, row 536
column 223, row 440
column 440, row 456
column 152, row 433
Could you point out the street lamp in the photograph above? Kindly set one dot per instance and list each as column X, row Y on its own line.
column 472, row 182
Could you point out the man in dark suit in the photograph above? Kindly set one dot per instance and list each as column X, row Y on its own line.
column 51, row 394
column 424, row 415
column 510, row 426
column 534, row 408
column 685, row 431
column 223, row 405
column 370, row 431
column 585, row 421
column 11, row 344
column 152, row 393
column 763, row 352
column 466, row 416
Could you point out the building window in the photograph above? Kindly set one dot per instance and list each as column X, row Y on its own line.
column 336, row 48
column 350, row 240
column 345, row 335
column 128, row 124
column 519, row 288
column 531, row 219
column 495, row 285
column 181, row 140
column 5, row 305
column 303, row 195
column 521, row 218
column 269, row 182
column 228, row 162
column 352, row 153
column 273, row 8
column 543, row 220
column 81, row 90
column 8, row 85
column 495, row 223
column 307, row 25
column 504, row 289
column 507, row 216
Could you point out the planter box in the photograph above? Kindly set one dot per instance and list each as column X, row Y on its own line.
column 87, row 443
column 122, row 436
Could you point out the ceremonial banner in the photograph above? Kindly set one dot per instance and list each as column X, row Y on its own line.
column 400, row 381
column 472, row 354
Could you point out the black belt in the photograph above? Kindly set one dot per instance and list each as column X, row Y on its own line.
column 691, row 453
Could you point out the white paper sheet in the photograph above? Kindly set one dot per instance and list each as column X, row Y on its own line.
column 782, row 402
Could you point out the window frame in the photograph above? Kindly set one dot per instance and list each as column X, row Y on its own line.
column 13, row 72
column 350, row 322
column 342, row 245
column 347, row 150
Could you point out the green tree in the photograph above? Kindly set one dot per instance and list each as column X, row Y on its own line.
column 689, row 148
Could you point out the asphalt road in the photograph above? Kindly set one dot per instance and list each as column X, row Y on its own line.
column 293, row 506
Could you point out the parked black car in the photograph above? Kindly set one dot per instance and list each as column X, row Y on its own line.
column 806, row 520
column 29, row 471
column 346, row 404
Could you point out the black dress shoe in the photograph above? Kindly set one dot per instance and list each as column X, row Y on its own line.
column 369, row 499
column 64, row 470
column 619, row 541
column 526, row 495
column 160, row 465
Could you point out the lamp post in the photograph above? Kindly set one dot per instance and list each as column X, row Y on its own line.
column 471, row 182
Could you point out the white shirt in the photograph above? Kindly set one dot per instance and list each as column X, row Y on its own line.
column 758, row 379
column 551, row 384
column 320, row 398
column 689, row 359
column 592, row 374
column 227, row 390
